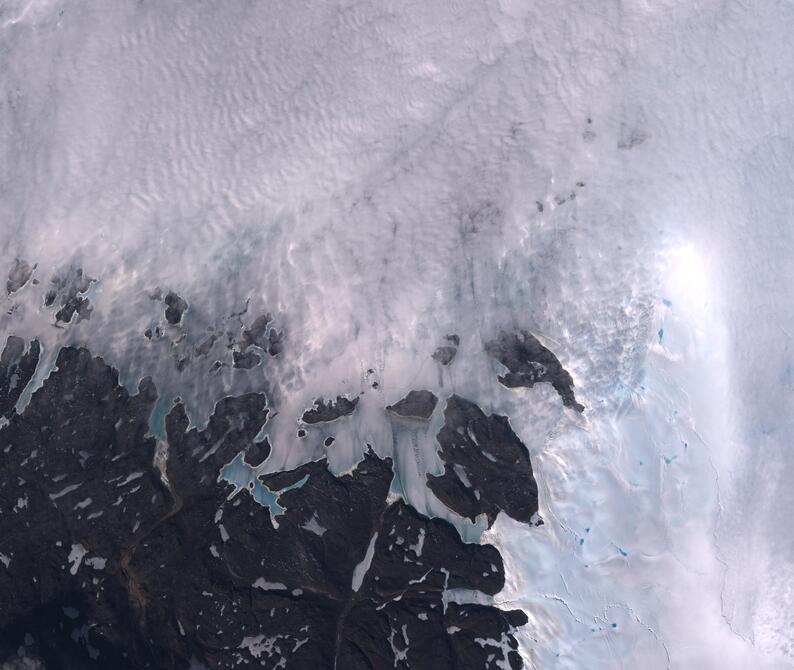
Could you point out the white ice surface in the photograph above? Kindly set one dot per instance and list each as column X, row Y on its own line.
column 369, row 173
column 363, row 567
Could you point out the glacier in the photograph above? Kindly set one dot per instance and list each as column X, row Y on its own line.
column 615, row 177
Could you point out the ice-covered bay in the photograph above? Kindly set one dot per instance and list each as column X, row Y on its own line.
column 613, row 176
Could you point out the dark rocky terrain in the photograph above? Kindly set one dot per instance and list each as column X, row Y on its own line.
column 19, row 275
column 329, row 410
column 486, row 466
column 107, row 562
column 175, row 307
column 528, row 363
column 446, row 353
column 416, row 405
column 67, row 293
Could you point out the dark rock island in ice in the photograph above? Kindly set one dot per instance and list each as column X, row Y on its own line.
column 529, row 363
column 416, row 405
column 325, row 411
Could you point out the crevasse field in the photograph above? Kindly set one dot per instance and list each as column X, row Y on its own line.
column 615, row 176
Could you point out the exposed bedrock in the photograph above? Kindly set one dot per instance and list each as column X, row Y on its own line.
column 529, row 363
column 175, row 308
column 329, row 410
column 257, row 333
column 105, row 563
column 446, row 353
column 416, row 405
column 246, row 360
column 67, row 292
column 486, row 466
column 19, row 275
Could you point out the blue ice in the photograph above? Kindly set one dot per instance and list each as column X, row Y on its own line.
column 243, row 476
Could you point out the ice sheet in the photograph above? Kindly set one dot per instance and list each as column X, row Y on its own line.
column 377, row 176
